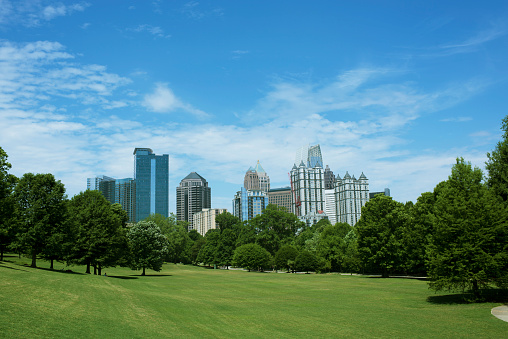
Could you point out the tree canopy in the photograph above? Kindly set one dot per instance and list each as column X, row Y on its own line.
column 147, row 246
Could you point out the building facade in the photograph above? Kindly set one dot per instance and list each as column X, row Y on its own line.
column 386, row 192
column 351, row 195
column 280, row 197
column 329, row 179
column 331, row 205
column 151, row 173
column 192, row 196
column 249, row 203
column 307, row 182
column 256, row 179
column 204, row 220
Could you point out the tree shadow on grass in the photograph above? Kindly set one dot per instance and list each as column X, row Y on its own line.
column 487, row 296
column 123, row 277
column 12, row 268
column 60, row 271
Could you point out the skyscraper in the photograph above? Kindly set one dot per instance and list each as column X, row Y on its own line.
column 256, row 179
column 249, row 203
column 120, row 191
column 329, row 179
column 351, row 195
column 192, row 196
column 307, row 181
column 151, row 173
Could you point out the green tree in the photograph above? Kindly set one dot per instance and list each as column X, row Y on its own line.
column 285, row 257
column 226, row 247
column 208, row 252
column 147, row 246
column 306, row 261
column 100, row 239
column 226, row 220
column 7, row 183
column 331, row 245
column 177, row 233
column 252, row 257
column 275, row 227
column 378, row 232
column 497, row 165
column 40, row 211
column 469, row 247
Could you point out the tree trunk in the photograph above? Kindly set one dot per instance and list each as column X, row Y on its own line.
column 34, row 260
column 99, row 269
column 143, row 271
column 1, row 253
column 385, row 273
column 51, row 265
column 476, row 290
column 87, row 268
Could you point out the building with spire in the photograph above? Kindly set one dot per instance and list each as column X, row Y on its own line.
column 307, row 181
column 256, row 179
column 329, row 179
column 192, row 196
column 351, row 195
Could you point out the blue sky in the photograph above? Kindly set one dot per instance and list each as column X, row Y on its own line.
column 394, row 89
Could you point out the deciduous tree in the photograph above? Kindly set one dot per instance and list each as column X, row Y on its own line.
column 252, row 257
column 7, row 183
column 147, row 246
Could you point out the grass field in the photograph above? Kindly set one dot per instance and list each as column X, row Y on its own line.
column 187, row 301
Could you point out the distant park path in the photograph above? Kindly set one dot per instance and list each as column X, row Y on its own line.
column 501, row 312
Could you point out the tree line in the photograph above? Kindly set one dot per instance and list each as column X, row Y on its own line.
column 456, row 235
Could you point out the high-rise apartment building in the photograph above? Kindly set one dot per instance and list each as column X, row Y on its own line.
column 351, row 195
column 93, row 183
column 256, row 179
column 151, row 173
column 307, row 181
column 192, row 196
column 249, row 203
column 204, row 220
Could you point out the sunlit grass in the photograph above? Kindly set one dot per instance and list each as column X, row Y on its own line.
column 196, row 302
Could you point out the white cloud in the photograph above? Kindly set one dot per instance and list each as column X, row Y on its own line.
column 32, row 13
column 153, row 30
column 163, row 100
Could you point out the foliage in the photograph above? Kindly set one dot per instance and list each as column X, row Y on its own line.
column 497, row 165
column 275, row 227
column 208, row 254
column 226, row 247
column 100, row 239
column 40, row 212
column 378, row 232
column 252, row 257
column 285, row 257
column 226, row 220
column 469, row 247
column 331, row 245
column 7, row 183
column 147, row 246
column 306, row 261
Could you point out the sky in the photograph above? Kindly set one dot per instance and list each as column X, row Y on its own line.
column 394, row 89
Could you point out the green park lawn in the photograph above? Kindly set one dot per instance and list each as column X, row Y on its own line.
column 188, row 301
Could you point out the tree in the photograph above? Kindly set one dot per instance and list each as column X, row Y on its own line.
column 179, row 240
column 378, row 232
column 331, row 245
column 285, row 257
column 147, row 246
column 252, row 257
column 226, row 220
column 208, row 252
column 7, row 183
column 469, row 247
column 226, row 247
column 306, row 261
column 497, row 165
column 275, row 227
column 100, row 239
column 40, row 211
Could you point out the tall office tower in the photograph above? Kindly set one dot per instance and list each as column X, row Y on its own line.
column 205, row 220
column 329, row 179
column 310, row 156
column 256, row 179
column 386, row 192
column 192, row 196
column 280, row 197
column 249, row 203
column 121, row 191
column 93, row 183
column 151, row 173
column 307, row 182
column 351, row 195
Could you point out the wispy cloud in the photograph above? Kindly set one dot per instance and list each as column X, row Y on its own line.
column 239, row 53
column 457, row 119
column 163, row 100
column 193, row 10
column 34, row 13
column 156, row 31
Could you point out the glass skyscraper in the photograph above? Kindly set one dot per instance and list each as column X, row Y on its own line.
column 151, row 173
column 192, row 196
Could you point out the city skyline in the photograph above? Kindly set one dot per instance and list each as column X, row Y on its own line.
column 395, row 90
